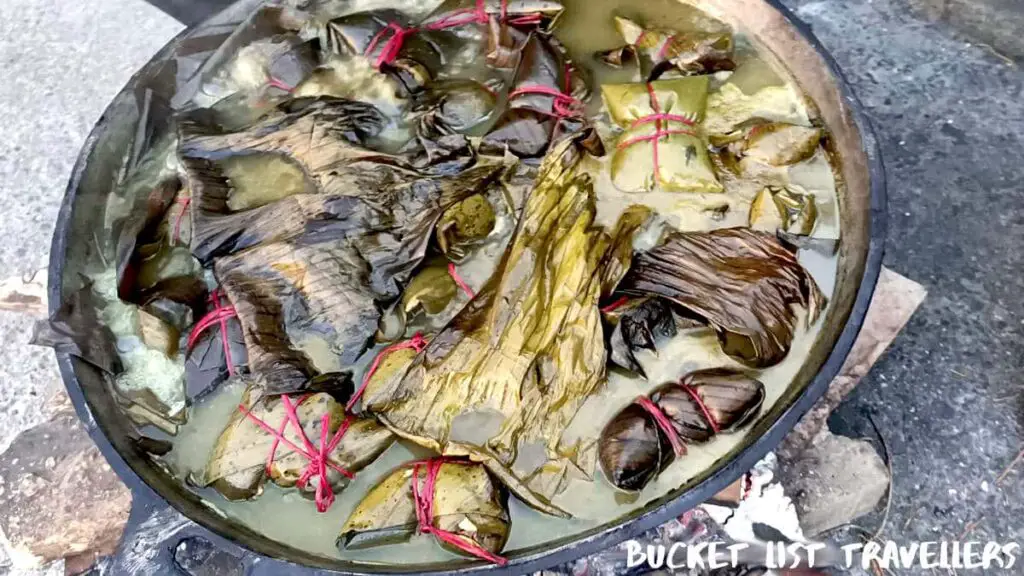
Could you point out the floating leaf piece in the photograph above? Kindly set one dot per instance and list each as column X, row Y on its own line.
column 75, row 329
column 742, row 282
column 646, row 436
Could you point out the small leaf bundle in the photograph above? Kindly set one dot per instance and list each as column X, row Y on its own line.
column 646, row 436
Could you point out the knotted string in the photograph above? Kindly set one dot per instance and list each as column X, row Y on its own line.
column 317, row 456
column 564, row 105
column 416, row 343
column 660, row 131
column 665, row 424
column 458, row 280
column 476, row 15
column 219, row 315
column 423, row 499
column 185, row 202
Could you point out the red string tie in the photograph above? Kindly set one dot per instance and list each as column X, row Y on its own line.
column 660, row 131
column 185, row 202
column 663, row 51
column 417, row 343
column 458, row 280
column 423, row 497
column 219, row 315
column 664, row 424
column 317, row 455
column 564, row 105
column 615, row 305
column 396, row 33
column 700, row 404
column 275, row 83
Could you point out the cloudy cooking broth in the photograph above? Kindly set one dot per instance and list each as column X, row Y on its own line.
column 584, row 28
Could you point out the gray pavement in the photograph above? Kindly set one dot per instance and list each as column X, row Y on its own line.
column 61, row 61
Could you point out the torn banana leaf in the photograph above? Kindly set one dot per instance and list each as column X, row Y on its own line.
column 783, row 209
column 144, row 408
column 467, row 502
column 634, row 448
column 463, row 225
column 656, row 50
column 670, row 154
column 729, row 108
column 742, row 282
column 505, row 377
column 157, row 334
column 777, row 144
column 75, row 329
column 140, row 227
column 527, row 14
column 638, row 325
column 320, row 137
column 253, row 70
column 238, row 463
column 544, row 105
column 328, row 283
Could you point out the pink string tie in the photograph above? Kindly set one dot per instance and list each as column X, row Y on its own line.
column 219, row 315
column 185, row 203
column 423, row 497
column 664, row 424
column 660, row 131
column 318, row 456
column 416, row 343
column 459, row 281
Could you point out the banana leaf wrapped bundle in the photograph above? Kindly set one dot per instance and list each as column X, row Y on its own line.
column 215, row 349
column 544, row 105
column 309, row 442
column 741, row 282
column 309, row 270
column 656, row 50
column 662, row 145
column 456, row 501
column 649, row 434
column 730, row 109
column 503, row 380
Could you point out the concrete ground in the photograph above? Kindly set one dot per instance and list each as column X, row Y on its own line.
column 947, row 397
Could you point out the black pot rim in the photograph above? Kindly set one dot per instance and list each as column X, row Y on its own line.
column 145, row 495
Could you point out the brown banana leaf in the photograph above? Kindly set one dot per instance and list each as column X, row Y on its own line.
column 783, row 209
column 683, row 163
column 75, row 329
column 206, row 362
column 468, row 502
column 638, row 325
column 534, row 121
column 421, row 55
column 634, row 449
column 237, row 465
column 742, row 282
column 503, row 380
column 656, row 50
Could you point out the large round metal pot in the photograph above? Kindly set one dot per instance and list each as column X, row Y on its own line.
column 165, row 511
